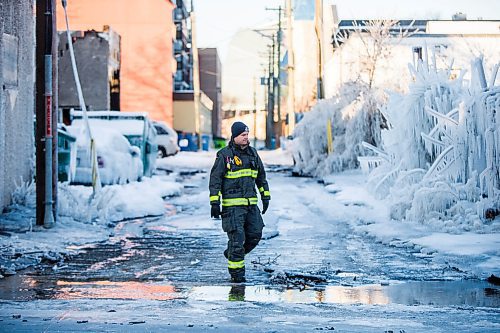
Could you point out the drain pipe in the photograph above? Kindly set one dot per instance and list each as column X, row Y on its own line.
column 49, row 216
column 48, row 221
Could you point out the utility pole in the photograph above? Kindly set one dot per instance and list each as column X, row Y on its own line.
column 280, row 35
column 196, row 76
column 254, row 114
column 44, row 103
column 318, row 18
column 270, row 97
column 290, row 69
column 279, row 39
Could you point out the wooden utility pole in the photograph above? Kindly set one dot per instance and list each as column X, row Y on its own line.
column 280, row 35
column 290, row 69
column 196, row 76
column 254, row 113
column 46, row 123
column 270, row 98
column 318, row 20
column 278, row 129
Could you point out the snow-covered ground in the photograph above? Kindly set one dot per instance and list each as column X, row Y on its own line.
column 344, row 197
column 380, row 273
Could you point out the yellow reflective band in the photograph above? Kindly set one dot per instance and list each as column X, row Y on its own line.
column 264, row 193
column 241, row 173
column 235, row 202
column 215, row 197
column 239, row 201
column 236, row 264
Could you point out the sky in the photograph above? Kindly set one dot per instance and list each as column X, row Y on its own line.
column 218, row 20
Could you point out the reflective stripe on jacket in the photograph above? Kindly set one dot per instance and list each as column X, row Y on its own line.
column 235, row 175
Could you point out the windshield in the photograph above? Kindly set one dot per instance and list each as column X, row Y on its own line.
column 135, row 140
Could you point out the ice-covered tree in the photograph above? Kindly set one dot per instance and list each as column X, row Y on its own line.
column 442, row 149
column 353, row 114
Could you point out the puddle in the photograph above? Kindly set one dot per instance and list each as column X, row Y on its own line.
column 115, row 290
column 439, row 293
column 30, row 288
column 436, row 293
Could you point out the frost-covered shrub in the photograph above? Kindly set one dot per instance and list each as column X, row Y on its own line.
column 354, row 118
column 447, row 134
column 24, row 194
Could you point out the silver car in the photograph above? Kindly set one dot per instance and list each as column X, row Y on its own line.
column 166, row 139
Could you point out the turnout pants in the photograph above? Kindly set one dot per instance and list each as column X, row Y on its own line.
column 243, row 225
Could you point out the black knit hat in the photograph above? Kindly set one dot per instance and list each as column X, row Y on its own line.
column 238, row 128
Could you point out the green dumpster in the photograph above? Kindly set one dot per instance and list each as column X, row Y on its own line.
column 219, row 142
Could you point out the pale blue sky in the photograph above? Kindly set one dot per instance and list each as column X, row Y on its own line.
column 218, row 20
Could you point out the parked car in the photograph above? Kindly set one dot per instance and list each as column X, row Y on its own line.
column 135, row 126
column 166, row 139
column 118, row 161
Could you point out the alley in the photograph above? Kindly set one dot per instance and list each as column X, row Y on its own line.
column 310, row 272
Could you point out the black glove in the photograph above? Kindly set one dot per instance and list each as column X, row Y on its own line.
column 215, row 211
column 265, row 205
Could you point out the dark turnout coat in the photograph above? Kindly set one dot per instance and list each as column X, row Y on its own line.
column 235, row 175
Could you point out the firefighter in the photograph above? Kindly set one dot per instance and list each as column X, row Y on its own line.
column 236, row 173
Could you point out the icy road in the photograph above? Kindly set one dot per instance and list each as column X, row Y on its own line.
column 311, row 272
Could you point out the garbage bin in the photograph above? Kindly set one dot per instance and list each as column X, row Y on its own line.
column 205, row 142
column 66, row 152
column 188, row 141
column 219, row 142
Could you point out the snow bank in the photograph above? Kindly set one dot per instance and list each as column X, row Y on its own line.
column 117, row 202
column 202, row 160
column 82, row 218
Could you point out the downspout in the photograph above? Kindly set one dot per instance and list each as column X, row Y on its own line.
column 48, row 220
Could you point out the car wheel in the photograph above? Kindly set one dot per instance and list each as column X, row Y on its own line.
column 162, row 152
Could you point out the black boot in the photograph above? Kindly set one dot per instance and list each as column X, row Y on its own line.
column 238, row 279
column 237, row 275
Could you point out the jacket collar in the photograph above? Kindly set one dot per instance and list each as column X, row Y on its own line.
column 238, row 148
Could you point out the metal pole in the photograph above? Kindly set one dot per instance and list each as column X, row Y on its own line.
column 48, row 218
column 96, row 180
column 48, row 221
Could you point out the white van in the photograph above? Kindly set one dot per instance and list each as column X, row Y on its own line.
column 135, row 126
